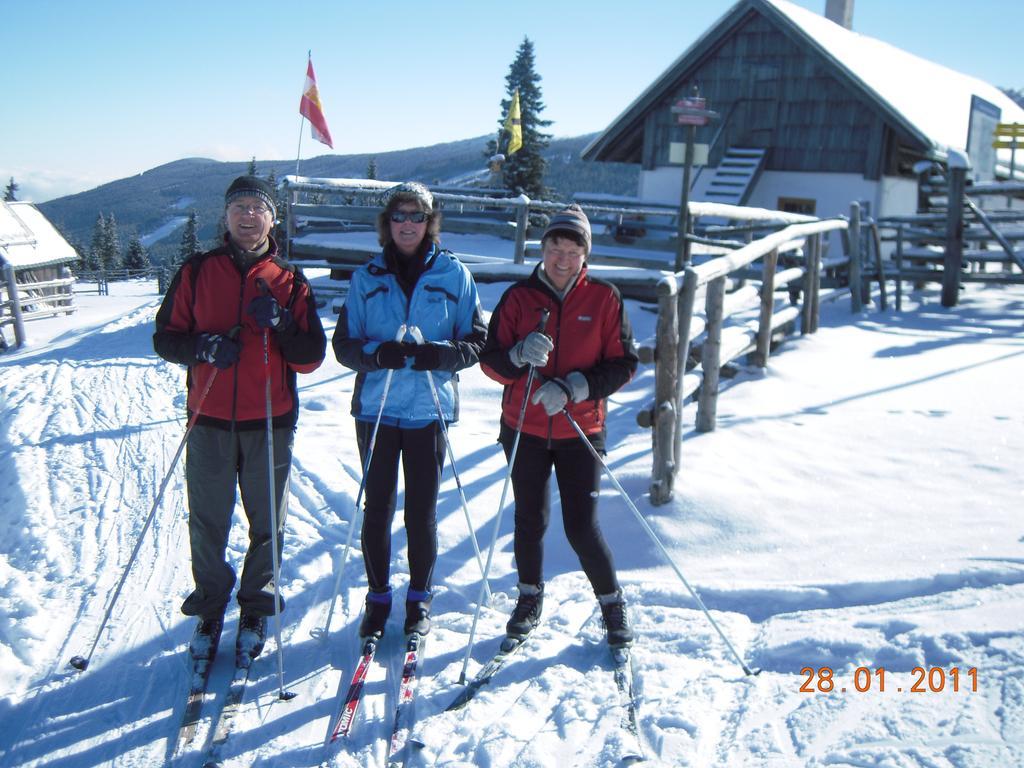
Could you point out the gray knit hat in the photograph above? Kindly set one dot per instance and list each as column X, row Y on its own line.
column 251, row 186
column 571, row 219
column 412, row 191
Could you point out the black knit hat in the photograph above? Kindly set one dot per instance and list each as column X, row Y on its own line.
column 571, row 219
column 251, row 186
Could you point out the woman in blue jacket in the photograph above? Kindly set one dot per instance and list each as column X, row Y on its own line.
column 412, row 282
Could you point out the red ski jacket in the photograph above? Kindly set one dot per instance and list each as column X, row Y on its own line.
column 210, row 295
column 592, row 335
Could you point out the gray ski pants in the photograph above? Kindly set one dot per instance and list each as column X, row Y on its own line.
column 217, row 462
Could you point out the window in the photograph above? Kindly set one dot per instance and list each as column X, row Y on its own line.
column 796, row 205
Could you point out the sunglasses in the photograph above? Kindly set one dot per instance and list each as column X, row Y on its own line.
column 416, row 217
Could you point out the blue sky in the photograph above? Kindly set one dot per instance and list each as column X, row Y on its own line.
column 96, row 91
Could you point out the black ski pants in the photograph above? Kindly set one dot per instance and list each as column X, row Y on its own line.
column 217, row 462
column 422, row 454
column 578, row 475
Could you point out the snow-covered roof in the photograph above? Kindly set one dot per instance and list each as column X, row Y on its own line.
column 934, row 99
column 28, row 239
column 930, row 101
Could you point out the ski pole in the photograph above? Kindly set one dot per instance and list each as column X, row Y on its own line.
column 272, row 489
column 81, row 663
column 650, row 532
column 544, row 313
column 357, row 512
column 417, row 336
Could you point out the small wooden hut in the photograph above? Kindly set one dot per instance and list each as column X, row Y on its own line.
column 35, row 260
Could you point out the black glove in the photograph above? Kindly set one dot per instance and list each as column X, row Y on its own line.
column 392, row 354
column 268, row 313
column 431, row 356
column 219, row 350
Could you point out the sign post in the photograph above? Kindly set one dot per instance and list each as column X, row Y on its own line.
column 690, row 112
column 1009, row 136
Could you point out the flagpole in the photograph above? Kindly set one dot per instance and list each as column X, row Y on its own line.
column 302, row 120
column 298, row 152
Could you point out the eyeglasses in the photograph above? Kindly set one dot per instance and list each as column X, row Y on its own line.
column 416, row 217
column 240, row 209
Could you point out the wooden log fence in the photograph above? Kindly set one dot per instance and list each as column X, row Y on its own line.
column 720, row 330
column 679, row 327
column 32, row 301
column 510, row 217
column 930, row 247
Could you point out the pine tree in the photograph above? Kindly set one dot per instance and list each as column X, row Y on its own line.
column 189, row 238
column 251, row 170
column 523, row 171
column 10, row 191
column 135, row 256
column 94, row 259
column 1017, row 94
column 111, row 252
column 371, row 168
column 83, row 254
column 280, row 231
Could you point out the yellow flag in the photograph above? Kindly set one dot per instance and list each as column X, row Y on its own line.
column 514, row 125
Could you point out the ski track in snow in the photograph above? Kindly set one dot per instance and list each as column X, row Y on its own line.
column 89, row 425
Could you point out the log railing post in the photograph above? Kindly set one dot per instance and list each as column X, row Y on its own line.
column 899, row 267
column 15, row 304
column 958, row 167
column 686, row 298
column 856, row 302
column 808, row 290
column 522, row 222
column 707, row 403
column 815, row 282
column 663, row 417
column 764, row 323
column 876, row 241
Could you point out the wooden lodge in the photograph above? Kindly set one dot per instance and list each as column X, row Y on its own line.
column 811, row 115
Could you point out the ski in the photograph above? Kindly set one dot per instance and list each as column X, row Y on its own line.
column 232, row 703
column 193, row 705
column 414, row 645
column 507, row 649
column 629, row 728
column 343, row 726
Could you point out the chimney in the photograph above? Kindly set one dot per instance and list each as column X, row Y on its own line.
column 840, row 11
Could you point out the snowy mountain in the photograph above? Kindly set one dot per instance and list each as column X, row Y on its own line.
column 857, row 509
column 153, row 203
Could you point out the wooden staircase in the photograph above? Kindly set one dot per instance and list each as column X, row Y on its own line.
column 734, row 178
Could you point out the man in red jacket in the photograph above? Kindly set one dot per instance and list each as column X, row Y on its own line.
column 584, row 353
column 218, row 311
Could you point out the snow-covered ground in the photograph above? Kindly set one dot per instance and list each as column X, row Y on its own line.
column 858, row 507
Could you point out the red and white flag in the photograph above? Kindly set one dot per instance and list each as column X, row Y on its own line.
column 311, row 108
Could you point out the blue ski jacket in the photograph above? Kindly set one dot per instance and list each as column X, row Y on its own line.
column 443, row 304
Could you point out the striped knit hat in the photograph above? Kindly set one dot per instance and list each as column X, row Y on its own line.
column 571, row 219
column 251, row 186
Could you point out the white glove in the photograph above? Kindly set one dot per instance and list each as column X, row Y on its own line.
column 533, row 350
column 578, row 384
column 552, row 396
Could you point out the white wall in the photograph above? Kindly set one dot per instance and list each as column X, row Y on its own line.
column 832, row 192
column 662, row 185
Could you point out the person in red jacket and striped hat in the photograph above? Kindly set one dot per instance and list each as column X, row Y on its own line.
column 218, row 310
column 584, row 353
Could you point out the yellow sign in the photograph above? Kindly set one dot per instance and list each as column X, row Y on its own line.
column 1009, row 129
column 1011, row 133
